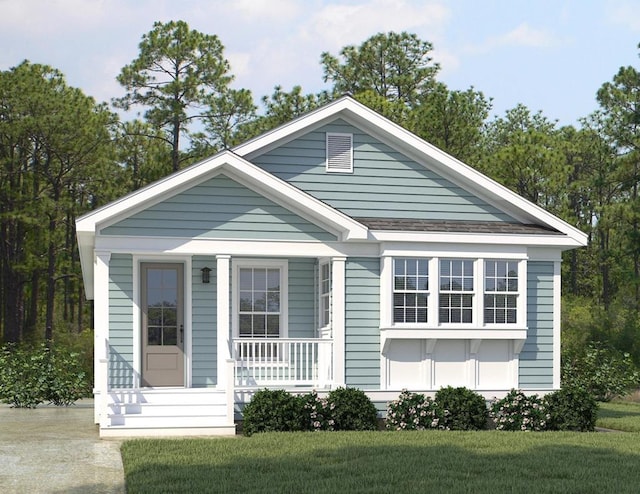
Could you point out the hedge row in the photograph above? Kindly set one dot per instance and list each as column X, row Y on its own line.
column 344, row 409
column 450, row 409
column 569, row 409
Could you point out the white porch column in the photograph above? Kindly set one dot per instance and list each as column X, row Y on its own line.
column 557, row 295
column 338, row 318
column 222, row 322
column 100, row 332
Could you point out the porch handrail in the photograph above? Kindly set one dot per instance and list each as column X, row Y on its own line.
column 283, row 361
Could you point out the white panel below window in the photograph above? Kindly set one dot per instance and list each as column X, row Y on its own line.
column 450, row 364
column 405, row 365
column 494, row 359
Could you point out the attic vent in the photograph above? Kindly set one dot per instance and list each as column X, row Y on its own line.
column 340, row 153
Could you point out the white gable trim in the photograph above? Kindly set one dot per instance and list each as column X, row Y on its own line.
column 418, row 149
column 236, row 168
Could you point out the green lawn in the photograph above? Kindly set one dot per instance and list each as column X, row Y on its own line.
column 394, row 462
column 621, row 415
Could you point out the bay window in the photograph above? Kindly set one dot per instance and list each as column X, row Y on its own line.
column 464, row 293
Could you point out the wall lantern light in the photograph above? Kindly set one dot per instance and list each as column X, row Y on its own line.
column 205, row 274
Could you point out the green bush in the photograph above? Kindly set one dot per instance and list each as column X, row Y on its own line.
column 272, row 411
column 518, row 412
column 67, row 381
column 316, row 413
column 603, row 372
column 571, row 409
column 24, row 375
column 412, row 411
column 460, row 409
column 30, row 376
column 352, row 410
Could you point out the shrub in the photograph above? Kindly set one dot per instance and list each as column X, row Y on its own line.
column 412, row 411
column 316, row 413
column 30, row 376
column 518, row 412
column 352, row 410
column 571, row 409
column 23, row 375
column 460, row 409
column 270, row 411
column 67, row 381
column 603, row 372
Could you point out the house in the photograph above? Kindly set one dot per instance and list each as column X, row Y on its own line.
column 336, row 250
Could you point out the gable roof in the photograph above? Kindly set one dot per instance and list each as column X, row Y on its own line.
column 231, row 165
column 422, row 152
column 236, row 164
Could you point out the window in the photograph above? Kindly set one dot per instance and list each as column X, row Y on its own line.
column 325, row 294
column 463, row 293
column 339, row 153
column 456, row 291
column 259, row 307
column 500, row 292
column 410, row 290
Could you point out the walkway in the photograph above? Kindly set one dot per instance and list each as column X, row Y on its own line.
column 57, row 450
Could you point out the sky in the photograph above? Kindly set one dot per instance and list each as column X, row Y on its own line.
column 550, row 55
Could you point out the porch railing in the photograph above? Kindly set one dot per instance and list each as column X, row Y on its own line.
column 283, row 362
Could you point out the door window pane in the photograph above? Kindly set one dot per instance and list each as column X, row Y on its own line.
column 161, row 309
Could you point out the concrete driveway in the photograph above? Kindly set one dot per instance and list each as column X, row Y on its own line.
column 57, row 450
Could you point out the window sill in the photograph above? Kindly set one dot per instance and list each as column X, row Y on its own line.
column 406, row 333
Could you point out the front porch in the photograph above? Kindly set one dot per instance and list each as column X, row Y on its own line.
column 257, row 363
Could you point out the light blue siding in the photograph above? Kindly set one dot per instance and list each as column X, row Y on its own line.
column 384, row 184
column 302, row 306
column 219, row 208
column 536, row 358
column 362, row 323
column 204, row 318
column 121, row 321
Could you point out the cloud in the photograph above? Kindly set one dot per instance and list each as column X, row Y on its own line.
column 337, row 25
column 280, row 11
column 522, row 35
column 626, row 15
column 57, row 17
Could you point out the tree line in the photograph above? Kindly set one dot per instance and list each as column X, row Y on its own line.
column 63, row 154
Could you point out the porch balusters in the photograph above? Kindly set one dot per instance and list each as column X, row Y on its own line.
column 282, row 362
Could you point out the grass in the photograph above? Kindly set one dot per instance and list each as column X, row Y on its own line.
column 381, row 462
column 620, row 415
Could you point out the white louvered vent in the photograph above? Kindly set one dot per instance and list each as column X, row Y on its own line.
column 340, row 153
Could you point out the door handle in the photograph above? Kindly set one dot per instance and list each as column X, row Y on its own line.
column 181, row 333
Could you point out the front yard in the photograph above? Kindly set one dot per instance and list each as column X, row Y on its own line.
column 620, row 415
column 394, row 462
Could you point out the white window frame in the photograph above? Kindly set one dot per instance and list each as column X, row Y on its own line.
column 324, row 296
column 473, row 292
column 499, row 293
column 433, row 317
column 417, row 291
column 283, row 266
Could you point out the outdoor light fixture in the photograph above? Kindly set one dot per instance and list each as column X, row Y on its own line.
column 205, row 274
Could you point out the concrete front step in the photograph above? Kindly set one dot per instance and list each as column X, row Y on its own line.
column 167, row 411
column 192, row 396
column 174, row 421
column 116, row 432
